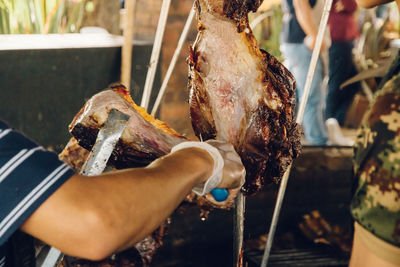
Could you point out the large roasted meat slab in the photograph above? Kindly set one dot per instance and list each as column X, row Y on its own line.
column 144, row 138
column 241, row 94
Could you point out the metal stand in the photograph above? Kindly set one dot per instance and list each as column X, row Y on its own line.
column 238, row 224
column 174, row 59
column 155, row 54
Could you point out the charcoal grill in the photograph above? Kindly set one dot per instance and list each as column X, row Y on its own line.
column 305, row 257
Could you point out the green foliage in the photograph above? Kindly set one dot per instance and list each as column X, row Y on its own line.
column 373, row 54
column 268, row 31
column 41, row 16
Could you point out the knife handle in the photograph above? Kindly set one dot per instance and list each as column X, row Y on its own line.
column 220, row 194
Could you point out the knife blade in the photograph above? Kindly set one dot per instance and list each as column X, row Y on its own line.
column 107, row 138
column 95, row 164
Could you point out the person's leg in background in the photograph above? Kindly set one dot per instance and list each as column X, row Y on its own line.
column 341, row 68
column 297, row 59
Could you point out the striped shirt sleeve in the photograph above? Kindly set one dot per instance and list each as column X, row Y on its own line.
column 28, row 176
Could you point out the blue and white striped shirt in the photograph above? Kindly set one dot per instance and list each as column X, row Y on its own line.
column 28, row 176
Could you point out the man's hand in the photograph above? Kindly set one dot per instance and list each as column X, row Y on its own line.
column 233, row 173
column 228, row 202
column 226, row 172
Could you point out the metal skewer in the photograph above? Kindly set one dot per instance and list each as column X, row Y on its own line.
column 174, row 59
column 238, row 224
column 260, row 18
column 299, row 119
column 155, row 54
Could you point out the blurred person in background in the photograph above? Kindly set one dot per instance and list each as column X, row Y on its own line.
column 298, row 36
column 381, row 11
column 343, row 31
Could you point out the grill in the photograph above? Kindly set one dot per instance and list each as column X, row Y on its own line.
column 305, row 257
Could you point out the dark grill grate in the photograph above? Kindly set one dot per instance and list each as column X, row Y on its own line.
column 298, row 257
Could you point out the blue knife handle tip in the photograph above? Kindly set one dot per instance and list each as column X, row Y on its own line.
column 220, row 194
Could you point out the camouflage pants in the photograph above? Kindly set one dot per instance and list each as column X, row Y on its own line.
column 376, row 202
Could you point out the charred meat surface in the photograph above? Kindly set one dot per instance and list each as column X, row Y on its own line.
column 144, row 138
column 241, row 94
column 74, row 155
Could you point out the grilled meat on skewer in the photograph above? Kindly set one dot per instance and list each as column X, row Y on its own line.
column 241, row 94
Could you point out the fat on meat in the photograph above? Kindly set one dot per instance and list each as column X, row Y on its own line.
column 144, row 138
column 241, row 94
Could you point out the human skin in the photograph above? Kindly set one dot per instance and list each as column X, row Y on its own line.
column 93, row 217
column 305, row 18
column 361, row 256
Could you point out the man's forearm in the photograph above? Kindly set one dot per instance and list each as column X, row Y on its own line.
column 92, row 217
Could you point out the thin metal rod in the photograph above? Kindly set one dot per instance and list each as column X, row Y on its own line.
column 275, row 216
column 299, row 119
column 126, row 60
column 260, row 18
column 314, row 60
column 174, row 59
column 155, row 54
column 238, row 230
column 53, row 258
column 238, row 223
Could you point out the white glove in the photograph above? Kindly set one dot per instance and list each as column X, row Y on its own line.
column 223, row 154
column 216, row 176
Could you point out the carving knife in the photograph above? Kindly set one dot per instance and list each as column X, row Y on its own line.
column 107, row 138
column 95, row 164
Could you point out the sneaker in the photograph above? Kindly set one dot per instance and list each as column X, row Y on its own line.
column 335, row 135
